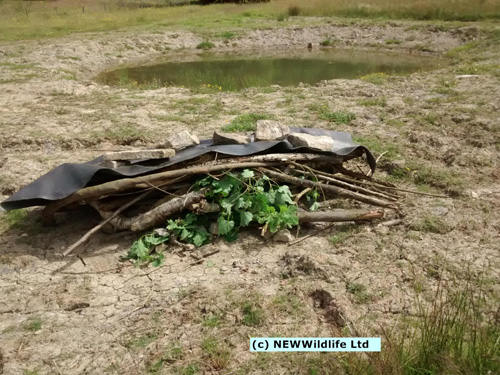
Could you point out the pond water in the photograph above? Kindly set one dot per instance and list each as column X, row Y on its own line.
column 231, row 72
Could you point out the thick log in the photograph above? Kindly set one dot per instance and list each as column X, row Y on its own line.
column 339, row 215
column 157, row 215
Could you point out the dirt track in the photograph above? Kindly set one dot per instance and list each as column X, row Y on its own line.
column 61, row 316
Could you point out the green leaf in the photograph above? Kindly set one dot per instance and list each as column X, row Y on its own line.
column 186, row 234
column 158, row 260
column 227, row 205
column 283, row 195
column 314, row 206
column 245, row 218
column 140, row 249
column 245, row 201
column 224, row 226
column 200, row 237
column 247, row 173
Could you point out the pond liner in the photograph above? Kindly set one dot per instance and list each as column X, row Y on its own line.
column 68, row 178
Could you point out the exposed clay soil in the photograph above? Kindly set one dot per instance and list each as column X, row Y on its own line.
column 98, row 315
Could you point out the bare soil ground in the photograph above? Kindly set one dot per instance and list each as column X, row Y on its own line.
column 96, row 316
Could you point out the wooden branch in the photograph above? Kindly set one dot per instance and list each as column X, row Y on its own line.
column 87, row 235
column 163, row 178
column 333, row 189
column 343, row 184
column 301, row 194
column 157, row 215
column 340, row 215
column 310, row 235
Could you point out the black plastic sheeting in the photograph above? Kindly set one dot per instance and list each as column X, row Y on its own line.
column 68, row 178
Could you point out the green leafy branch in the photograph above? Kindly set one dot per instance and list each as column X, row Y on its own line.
column 243, row 198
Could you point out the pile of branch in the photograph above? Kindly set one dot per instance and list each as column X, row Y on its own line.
column 145, row 202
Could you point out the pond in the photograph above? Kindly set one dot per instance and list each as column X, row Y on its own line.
column 235, row 71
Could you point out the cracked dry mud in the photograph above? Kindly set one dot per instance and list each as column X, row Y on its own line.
column 63, row 316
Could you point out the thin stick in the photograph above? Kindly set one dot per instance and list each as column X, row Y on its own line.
column 333, row 189
column 310, row 235
column 215, row 251
column 344, row 185
column 301, row 194
column 87, row 235
column 370, row 173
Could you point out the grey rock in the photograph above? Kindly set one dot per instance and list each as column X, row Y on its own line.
column 441, row 211
column 395, row 103
column 323, row 143
column 138, row 155
column 181, row 141
column 268, row 130
column 284, row 236
column 230, row 139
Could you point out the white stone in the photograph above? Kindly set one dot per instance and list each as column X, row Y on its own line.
column 284, row 236
column 230, row 139
column 323, row 142
column 181, row 141
column 268, row 130
column 138, row 155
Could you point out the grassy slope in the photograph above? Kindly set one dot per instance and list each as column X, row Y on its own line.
column 33, row 20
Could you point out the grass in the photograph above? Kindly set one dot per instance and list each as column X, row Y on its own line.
column 205, row 45
column 141, row 341
column 339, row 117
column 326, row 43
column 217, row 357
column 226, row 35
column 432, row 224
column 33, row 325
column 378, row 146
column 15, row 219
column 359, row 293
column 375, row 78
column 36, row 20
column 373, row 102
column 212, row 321
column 245, row 122
column 253, row 315
column 342, row 233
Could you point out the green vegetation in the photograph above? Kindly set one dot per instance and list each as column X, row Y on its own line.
column 244, row 198
column 33, row 325
column 378, row 146
column 212, row 321
column 141, row 341
column 16, row 219
column 326, row 43
column 294, row 10
column 342, row 233
column 253, row 315
column 226, row 34
column 339, row 117
column 205, row 45
column 245, row 122
column 372, row 102
column 375, row 78
column 288, row 303
column 432, row 224
column 35, row 20
column 215, row 355
column 359, row 293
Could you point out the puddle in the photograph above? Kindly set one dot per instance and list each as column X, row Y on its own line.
column 231, row 72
